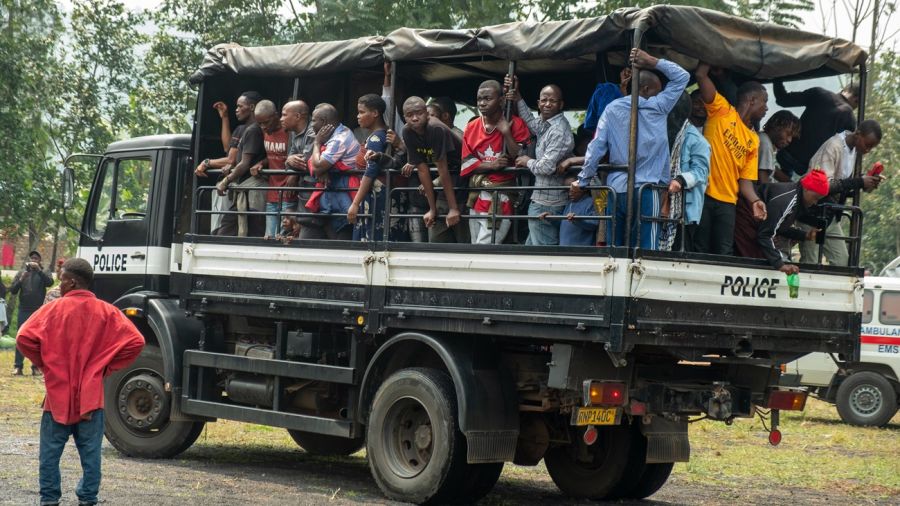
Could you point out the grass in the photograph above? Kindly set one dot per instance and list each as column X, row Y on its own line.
column 818, row 451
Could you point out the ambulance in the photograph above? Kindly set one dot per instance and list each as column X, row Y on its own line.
column 865, row 392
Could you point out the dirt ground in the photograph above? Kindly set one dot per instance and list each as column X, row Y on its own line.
column 237, row 464
column 289, row 476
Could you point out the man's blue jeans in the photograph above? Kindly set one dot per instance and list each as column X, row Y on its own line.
column 541, row 232
column 88, row 436
column 273, row 222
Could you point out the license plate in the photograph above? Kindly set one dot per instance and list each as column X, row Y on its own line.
column 595, row 416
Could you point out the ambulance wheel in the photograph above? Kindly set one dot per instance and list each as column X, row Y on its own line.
column 590, row 472
column 321, row 444
column 866, row 398
column 137, row 409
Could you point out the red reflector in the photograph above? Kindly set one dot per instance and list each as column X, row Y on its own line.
column 775, row 437
column 608, row 394
column 787, row 400
column 637, row 408
column 590, row 435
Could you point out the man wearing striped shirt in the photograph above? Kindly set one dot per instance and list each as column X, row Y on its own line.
column 554, row 144
column 652, row 163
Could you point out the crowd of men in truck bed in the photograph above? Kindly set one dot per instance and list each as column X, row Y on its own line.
column 702, row 161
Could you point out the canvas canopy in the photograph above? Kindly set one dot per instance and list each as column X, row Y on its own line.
column 681, row 33
column 292, row 59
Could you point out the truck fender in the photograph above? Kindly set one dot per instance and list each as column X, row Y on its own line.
column 486, row 395
column 172, row 331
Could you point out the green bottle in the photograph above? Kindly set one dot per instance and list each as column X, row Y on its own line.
column 793, row 281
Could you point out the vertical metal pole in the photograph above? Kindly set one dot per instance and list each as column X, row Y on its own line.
column 392, row 114
column 856, row 218
column 495, row 196
column 195, row 142
column 632, row 142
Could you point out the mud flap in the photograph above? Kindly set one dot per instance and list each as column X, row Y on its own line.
column 667, row 441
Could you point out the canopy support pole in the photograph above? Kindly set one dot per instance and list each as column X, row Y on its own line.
column 632, row 141
column 856, row 218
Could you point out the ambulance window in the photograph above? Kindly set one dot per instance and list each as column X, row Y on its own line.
column 868, row 299
column 890, row 308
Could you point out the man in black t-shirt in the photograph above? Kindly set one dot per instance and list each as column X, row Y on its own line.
column 230, row 140
column 826, row 113
column 251, row 150
column 429, row 141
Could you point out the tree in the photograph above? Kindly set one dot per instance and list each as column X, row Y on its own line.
column 881, row 234
column 30, row 31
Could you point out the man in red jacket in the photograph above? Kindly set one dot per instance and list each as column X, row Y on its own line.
column 76, row 341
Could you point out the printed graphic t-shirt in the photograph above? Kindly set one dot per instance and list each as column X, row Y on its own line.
column 276, row 145
column 734, row 150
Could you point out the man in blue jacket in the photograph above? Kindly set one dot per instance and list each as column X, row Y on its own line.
column 690, row 174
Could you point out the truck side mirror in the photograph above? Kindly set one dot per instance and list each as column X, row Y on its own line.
column 68, row 188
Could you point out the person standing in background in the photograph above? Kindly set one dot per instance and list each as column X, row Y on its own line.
column 30, row 284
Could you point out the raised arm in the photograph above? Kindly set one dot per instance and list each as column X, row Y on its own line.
column 678, row 78
column 786, row 99
column 707, row 86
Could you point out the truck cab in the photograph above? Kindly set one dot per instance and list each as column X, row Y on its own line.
column 866, row 391
column 130, row 224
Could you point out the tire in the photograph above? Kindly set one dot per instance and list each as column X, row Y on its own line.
column 866, row 399
column 597, row 478
column 652, row 479
column 479, row 481
column 415, row 449
column 321, row 444
column 137, row 412
column 640, row 479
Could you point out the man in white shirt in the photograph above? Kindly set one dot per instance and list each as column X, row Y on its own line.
column 837, row 157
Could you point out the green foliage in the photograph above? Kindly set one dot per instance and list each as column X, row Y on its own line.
column 881, row 241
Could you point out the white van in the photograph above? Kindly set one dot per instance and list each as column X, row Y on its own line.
column 866, row 393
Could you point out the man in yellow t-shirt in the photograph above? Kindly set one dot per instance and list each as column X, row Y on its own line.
column 733, row 161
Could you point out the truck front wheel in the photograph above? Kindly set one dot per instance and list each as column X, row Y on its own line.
column 137, row 412
column 866, row 398
column 590, row 472
column 415, row 448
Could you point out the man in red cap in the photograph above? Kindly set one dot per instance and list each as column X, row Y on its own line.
column 784, row 203
column 76, row 341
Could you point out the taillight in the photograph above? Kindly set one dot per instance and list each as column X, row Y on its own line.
column 787, row 400
column 601, row 393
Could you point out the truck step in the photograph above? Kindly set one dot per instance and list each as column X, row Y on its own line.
column 282, row 368
column 308, row 423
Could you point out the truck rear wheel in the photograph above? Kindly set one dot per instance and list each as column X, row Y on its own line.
column 415, row 449
column 137, row 412
column 320, row 444
column 640, row 479
column 866, row 398
column 590, row 472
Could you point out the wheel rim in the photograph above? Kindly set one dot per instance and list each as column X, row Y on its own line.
column 142, row 402
column 408, row 437
column 865, row 400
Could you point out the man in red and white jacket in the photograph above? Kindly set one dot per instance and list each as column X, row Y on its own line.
column 76, row 341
